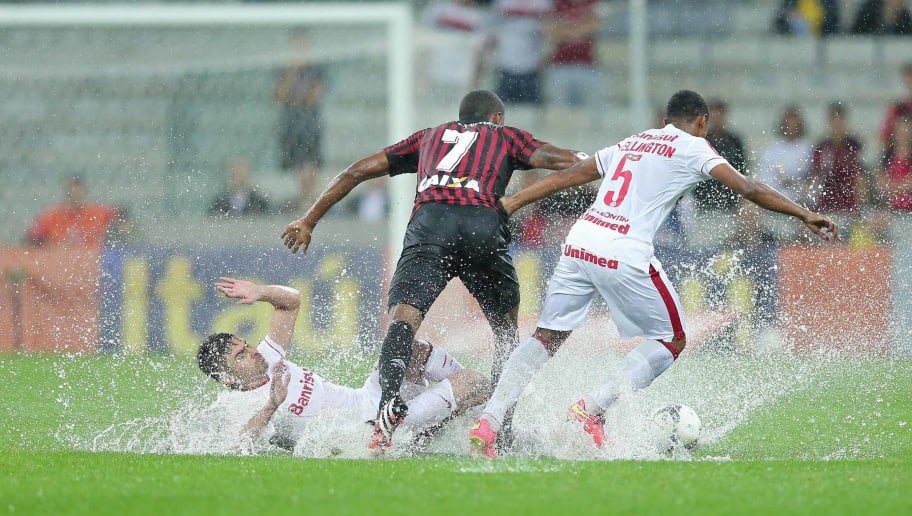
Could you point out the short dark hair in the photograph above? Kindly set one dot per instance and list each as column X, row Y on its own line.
column 686, row 105
column 479, row 105
column 212, row 355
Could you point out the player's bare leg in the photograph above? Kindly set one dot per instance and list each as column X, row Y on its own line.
column 433, row 409
column 395, row 355
column 522, row 365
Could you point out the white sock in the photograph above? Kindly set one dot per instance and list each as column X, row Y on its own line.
column 440, row 365
column 431, row 406
column 522, row 365
column 643, row 365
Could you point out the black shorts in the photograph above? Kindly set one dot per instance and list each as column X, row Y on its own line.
column 444, row 241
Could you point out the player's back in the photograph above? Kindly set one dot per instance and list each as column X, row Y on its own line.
column 644, row 176
column 463, row 163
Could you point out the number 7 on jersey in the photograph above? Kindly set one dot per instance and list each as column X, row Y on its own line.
column 625, row 176
column 463, row 141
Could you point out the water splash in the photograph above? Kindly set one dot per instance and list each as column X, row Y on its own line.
column 724, row 390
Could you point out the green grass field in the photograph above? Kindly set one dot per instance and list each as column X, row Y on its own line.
column 841, row 444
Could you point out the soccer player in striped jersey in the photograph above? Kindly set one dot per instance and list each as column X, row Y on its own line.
column 292, row 395
column 609, row 252
column 458, row 229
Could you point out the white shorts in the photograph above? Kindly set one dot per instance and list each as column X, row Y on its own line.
column 642, row 304
column 365, row 399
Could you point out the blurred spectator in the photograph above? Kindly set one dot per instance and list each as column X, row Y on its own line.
column 239, row 197
column 456, row 24
column 896, row 176
column 711, row 194
column 882, row 17
column 120, row 229
column 708, row 211
column 300, row 91
column 520, row 49
column 573, row 78
column 886, row 131
column 807, row 17
column 75, row 221
column 784, row 165
column 836, row 168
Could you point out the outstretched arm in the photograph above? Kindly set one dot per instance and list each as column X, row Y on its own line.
column 768, row 198
column 285, row 300
column 552, row 157
column 580, row 173
column 297, row 234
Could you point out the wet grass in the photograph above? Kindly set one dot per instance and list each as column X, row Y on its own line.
column 841, row 446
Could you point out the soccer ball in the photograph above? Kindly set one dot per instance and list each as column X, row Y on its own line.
column 676, row 428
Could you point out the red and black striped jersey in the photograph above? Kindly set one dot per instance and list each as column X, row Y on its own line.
column 466, row 164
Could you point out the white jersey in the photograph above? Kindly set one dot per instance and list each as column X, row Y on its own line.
column 644, row 176
column 308, row 392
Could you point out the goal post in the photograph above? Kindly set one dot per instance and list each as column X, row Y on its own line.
column 397, row 18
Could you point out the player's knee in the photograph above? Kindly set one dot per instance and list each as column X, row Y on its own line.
column 407, row 314
column 470, row 388
column 421, row 350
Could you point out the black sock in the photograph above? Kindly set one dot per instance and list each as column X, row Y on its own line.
column 394, row 358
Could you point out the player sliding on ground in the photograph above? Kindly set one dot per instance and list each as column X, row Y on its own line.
column 609, row 251
column 294, row 394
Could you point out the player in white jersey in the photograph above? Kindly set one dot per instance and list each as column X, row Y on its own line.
column 292, row 395
column 609, row 251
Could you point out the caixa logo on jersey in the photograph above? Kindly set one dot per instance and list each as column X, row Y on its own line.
column 447, row 181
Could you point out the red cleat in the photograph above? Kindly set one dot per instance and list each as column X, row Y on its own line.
column 592, row 424
column 481, row 440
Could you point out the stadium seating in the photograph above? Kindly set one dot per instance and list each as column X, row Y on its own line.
column 160, row 147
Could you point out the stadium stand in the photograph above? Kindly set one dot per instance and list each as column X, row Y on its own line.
column 155, row 131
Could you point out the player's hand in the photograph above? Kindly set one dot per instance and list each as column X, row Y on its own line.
column 245, row 292
column 822, row 226
column 278, row 391
column 297, row 235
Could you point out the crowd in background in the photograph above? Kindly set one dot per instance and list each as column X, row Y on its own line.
column 545, row 52
column 540, row 53
column 825, row 18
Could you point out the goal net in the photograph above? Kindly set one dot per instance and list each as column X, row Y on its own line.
column 150, row 103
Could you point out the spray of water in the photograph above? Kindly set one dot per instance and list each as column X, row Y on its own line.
column 725, row 389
